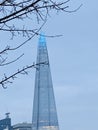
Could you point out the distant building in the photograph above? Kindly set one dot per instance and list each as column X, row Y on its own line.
column 5, row 124
column 22, row 126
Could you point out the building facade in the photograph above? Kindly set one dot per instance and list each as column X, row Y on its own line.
column 22, row 126
column 5, row 124
column 44, row 108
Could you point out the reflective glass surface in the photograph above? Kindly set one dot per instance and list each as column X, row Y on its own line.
column 44, row 108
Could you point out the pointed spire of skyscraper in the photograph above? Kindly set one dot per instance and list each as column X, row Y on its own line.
column 44, row 108
column 42, row 40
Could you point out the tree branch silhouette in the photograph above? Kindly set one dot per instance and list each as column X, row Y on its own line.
column 14, row 13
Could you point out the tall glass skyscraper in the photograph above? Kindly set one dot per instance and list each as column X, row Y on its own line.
column 44, row 108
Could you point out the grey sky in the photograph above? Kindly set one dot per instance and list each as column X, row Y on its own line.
column 74, row 67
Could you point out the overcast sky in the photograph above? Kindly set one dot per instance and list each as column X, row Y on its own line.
column 74, row 67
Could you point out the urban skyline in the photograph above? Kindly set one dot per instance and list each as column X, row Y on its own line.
column 74, row 67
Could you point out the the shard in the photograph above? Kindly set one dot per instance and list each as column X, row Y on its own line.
column 44, row 108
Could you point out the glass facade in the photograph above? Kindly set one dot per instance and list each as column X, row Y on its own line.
column 5, row 124
column 44, row 108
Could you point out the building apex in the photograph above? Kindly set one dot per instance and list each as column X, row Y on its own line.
column 7, row 114
column 42, row 40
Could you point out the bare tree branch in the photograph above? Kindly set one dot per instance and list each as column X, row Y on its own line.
column 7, row 79
column 14, row 16
column 7, row 63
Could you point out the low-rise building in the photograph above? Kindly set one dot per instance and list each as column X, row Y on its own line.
column 5, row 124
column 22, row 126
